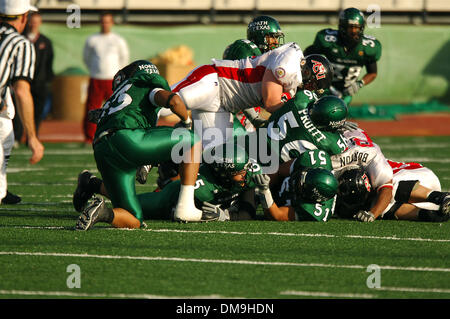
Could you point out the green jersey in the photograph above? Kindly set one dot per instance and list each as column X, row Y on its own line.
column 347, row 65
column 129, row 107
column 291, row 127
column 306, row 211
column 208, row 188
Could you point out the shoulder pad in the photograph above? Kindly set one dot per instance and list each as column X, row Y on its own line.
column 325, row 37
column 372, row 47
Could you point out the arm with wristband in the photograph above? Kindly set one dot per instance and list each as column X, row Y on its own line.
column 172, row 101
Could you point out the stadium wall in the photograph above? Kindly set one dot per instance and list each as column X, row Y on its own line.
column 414, row 66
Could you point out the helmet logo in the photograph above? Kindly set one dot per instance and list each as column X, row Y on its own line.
column 259, row 25
column 366, row 182
column 318, row 69
column 149, row 68
column 280, row 72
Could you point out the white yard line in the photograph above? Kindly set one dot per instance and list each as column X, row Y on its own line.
column 220, row 261
column 102, row 295
column 326, row 294
column 364, row 296
column 411, row 289
column 419, row 239
column 297, row 235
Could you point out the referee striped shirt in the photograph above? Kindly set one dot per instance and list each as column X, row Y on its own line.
column 17, row 57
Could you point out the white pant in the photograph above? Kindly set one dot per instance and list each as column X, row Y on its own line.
column 7, row 141
column 426, row 178
column 199, row 90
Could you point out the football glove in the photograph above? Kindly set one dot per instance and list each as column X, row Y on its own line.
column 353, row 87
column 254, row 117
column 262, row 190
column 224, row 214
column 364, row 216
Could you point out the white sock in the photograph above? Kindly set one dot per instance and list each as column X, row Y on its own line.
column 186, row 194
column 186, row 209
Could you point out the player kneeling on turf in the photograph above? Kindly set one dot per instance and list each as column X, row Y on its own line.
column 127, row 138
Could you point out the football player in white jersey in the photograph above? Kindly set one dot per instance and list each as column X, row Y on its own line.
column 363, row 153
column 213, row 92
column 412, row 192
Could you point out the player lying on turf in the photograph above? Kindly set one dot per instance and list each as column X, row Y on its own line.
column 127, row 137
column 416, row 195
column 349, row 50
column 381, row 177
column 301, row 151
column 224, row 188
column 308, row 193
column 363, row 153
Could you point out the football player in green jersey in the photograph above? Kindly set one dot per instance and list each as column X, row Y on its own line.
column 299, row 126
column 223, row 189
column 308, row 193
column 265, row 32
column 127, row 137
column 349, row 50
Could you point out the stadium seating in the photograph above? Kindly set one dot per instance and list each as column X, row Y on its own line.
column 386, row 5
column 234, row 5
column 289, row 5
column 437, row 6
column 168, row 5
column 394, row 6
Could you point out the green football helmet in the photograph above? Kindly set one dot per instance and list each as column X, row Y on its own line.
column 241, row 49
column 351, row 17
column 228, row 160
column 263, row 27
column 133, row 69
column 328, row 113
column 313, row 185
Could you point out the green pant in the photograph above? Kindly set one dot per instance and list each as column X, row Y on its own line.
column 119, row 155
column 159, row 205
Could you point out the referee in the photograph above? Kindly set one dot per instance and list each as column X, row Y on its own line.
column 17, row 59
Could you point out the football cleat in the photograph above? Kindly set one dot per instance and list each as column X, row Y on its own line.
column 142, row 173
column 186, row 214
column 11, row 199
column 90, row 214
column 444, row 208
column 82, row 193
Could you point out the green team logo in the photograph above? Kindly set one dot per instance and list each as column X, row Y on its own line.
column 148, row 68
column 259, row 25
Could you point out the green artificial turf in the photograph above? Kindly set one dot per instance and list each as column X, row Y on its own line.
column 257, row 259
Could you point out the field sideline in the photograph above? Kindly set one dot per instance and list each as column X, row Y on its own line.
column 257, row 260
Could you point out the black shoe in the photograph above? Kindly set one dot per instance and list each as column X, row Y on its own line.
column 444, row 208
column 11, row 199
column 142, row 173
column 82, row 193
column 90, row 214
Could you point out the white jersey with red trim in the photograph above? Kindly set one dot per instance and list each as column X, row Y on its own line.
column 363, row 152
column 240, row 80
